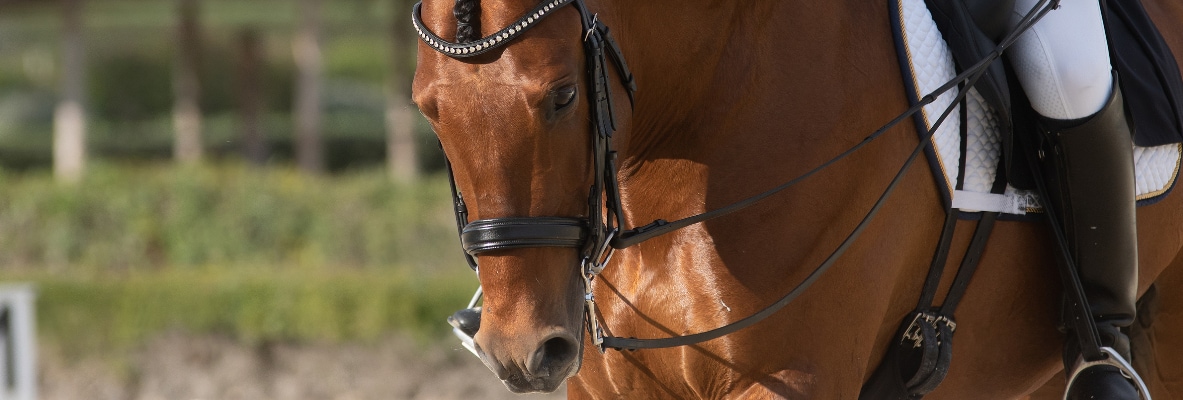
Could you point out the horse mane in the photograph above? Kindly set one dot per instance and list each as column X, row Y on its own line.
column 468, row 18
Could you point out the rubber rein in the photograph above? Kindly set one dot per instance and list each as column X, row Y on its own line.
column 600, row 234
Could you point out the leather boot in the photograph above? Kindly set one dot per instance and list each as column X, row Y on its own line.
column 1091, row 181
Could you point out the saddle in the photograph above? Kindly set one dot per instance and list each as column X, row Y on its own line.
column 980, row 167
column 936, row 38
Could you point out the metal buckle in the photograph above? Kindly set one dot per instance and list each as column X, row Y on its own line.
column 589, row 310
column 600, row 255
column 1115, row 360
column 913, row 332
column 592, row 28
column 592, row 265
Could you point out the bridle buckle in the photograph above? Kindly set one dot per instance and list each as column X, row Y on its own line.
column 592, row 29
column 592, row 265
column 600, row 255
column 914, row 331
column 589, row 302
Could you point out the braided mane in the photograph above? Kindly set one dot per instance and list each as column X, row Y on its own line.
column 468, row 17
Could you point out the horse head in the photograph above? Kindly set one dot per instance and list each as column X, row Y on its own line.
column 513, row 121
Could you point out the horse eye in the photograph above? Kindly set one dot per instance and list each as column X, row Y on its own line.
column 564, row 97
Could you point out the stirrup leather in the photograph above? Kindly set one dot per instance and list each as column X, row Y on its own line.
column 1112, row 359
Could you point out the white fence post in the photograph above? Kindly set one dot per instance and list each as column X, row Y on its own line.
column 18, row 343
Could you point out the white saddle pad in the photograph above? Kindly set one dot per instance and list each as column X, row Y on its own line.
column 928, row 64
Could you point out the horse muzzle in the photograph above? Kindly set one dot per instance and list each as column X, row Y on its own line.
column 554, row 358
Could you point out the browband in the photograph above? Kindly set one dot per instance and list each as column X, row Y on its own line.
column 476, row 47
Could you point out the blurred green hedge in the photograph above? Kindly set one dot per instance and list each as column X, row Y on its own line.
column 108, row 315
column 257, row 254
column 151, row 217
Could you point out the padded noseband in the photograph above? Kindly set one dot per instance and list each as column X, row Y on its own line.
column 512, row 233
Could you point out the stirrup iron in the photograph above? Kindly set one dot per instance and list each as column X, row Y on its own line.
column 1115, row 360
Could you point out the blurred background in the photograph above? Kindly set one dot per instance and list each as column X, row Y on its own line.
column 227, row 199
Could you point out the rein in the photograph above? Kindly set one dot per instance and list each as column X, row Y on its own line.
column 600, row 234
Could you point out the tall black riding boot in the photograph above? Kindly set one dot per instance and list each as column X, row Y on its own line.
column 1091, row 170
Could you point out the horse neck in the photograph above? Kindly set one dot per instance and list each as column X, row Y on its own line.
column 695, row 59
column 672, row 47
column 711, row 75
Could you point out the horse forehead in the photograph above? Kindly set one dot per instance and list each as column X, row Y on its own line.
column 549, row 51
column 494, row 14
column 518, row 81
column 505, row 83
column 491, row 105
column 517, row 69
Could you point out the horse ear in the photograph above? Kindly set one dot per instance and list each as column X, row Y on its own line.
column 468, row 18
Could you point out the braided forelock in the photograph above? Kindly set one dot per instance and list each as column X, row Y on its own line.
column 468, row 17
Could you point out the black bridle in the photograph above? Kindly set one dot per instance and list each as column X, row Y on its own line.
column 599, row 234
column 591, row 235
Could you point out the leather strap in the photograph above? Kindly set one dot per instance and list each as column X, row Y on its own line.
column 969, row 264
column 937, row 268
column 513, row 233
column 927, row 332
column 459, row 209
column 620, row 343
column 1081, row 320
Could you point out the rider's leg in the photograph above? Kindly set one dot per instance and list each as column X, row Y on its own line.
column 1063, row 61
column 1093, row 190
column 1063, row 65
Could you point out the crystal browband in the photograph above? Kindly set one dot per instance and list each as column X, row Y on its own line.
column 462, row 50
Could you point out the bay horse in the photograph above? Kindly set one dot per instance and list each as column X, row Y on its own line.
column 734, row 98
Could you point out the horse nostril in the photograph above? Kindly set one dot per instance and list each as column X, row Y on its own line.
column 554, row 355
